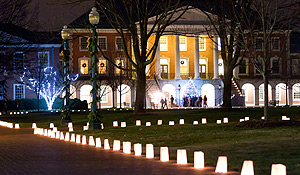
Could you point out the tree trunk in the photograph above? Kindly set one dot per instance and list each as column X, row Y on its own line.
column 140, row 90
column 266, row 95
column 227, row 87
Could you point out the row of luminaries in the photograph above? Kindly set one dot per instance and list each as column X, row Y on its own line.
column 247, row 169
column 181, row 121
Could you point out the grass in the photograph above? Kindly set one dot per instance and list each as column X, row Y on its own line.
column 263, row 145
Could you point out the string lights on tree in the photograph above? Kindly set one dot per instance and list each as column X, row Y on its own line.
column 191, row 90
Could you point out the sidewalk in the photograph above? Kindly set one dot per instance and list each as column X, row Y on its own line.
column 21, row 152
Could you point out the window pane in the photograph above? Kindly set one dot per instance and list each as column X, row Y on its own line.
column 202, row 44
column 43, row 59
column 19, row 91
column 275, row 66
column 296, row 90
column 119, row 44
column 102, row 66
column 243, row 67
column 120, row 62
column 275, row 44
column 102, row 43
column 163, row 43
column 84, row 66
column 83, row 43
column 258, row 43
column 18, row 61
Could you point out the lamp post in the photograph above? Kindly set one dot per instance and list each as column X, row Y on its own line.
column 94, row 20
column 179, row 87
column 65, row 34
column 5, row 90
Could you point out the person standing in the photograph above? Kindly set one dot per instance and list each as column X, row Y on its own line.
column 166, row 103
column 172, row 101
column 162, row 101
column 204, row 101
column 200, row 101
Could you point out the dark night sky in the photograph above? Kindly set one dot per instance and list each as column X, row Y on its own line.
column 53, row 14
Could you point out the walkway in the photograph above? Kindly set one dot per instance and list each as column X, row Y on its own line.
column 21, row 152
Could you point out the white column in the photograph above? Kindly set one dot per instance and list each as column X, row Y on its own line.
column 256, row 101
column 273, row 93
column 196, row 57
column 290, row 95
column 216, row 59
column 157, row 61
column 177, row 58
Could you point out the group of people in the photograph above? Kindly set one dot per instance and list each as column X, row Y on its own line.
column 188, row 101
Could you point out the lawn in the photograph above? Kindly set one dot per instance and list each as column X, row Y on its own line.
column 263, row 145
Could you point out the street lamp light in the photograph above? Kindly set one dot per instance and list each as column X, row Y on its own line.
column 93, row 117
column 179, row 87
column 65, row 34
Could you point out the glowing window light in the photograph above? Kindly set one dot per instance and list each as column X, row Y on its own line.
column 115, row 123
column 57, row 134
column 117, row 145
column 67, row 137
column 123, row 124
column 62, row 136
column 278, row 169
column 204, row 121
column 247, row 118
column 164, row 154
column 51, row 125
column 181, row 157
column 83, row 142
column 195, row 122
column 127, row 147
column 137, row 149
column 148, row 123
column 181, row 121
column 198, row 159
column 242, row 120
column 219, row 122
column 247, row 168
column 171, row 123
column 106, row 144
column 225, row 120
column 91, row 141
column 159, row 122
column 98, row 142
column 54, row 129
column 33, row 125
column 72, row 138
column 221, row 165
column 71, row 129
column 17, row 126
column 138, row 122
column 70, row 125
column 78, row 137
column 149, row 151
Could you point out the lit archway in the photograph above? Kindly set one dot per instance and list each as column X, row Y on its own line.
column 168, row 90
column 72, row 92
column 209, row 91
column 261, row 94
column 85, row 93
column 296, row 94
column 281, row 93
column 249, row 92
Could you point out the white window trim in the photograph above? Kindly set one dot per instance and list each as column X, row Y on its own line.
column 166, row 45
column 183, row 47
column 255, row 44
column 255, row 70
column 271, row 61
column 279, row 94
column 80, row 44
column 48, row 53
column 105, row 37
column 293, row 93
column 79, row 65
column 278, row 44
column 204, row 43
column 116, row 46
column 206, row 64
column 246, row 94
column 263, row 93
column 221, row 67
column 105, row 94
column 18, row 52
column 15, row 91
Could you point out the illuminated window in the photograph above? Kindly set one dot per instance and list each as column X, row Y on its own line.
column 202, row 44
column 221, row 67
column 83, row 44
column 119, row 44
column 296, row 92
column 103, row 42
column 163, row 43
column 261, row 92
column 182, row 43
column 102, row 66
column 19, row 91
column 43, row 59
column 103, row 93
column 84, row 66
column 120, row 62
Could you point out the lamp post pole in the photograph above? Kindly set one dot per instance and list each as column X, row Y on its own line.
column 93, row 120
column 65, row 34
column 179, row 95
column 5, row 90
